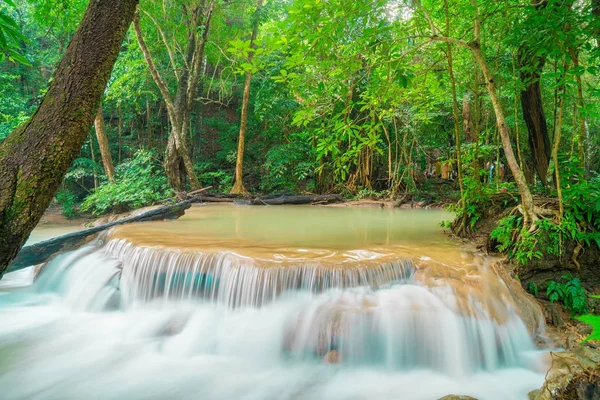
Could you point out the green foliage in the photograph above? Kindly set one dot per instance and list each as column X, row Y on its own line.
column 371, row 194
column 594, row 322
column 11, row 37
column 287, row 167
column 504, row 231
column 569, row 293
column 68, row 202
column 220, row 180
column 140, row 182
column 533, row 289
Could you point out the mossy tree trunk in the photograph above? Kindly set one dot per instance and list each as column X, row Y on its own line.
column 35, row 157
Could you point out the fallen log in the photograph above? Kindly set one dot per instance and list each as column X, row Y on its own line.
column 297, row 200
column 42, row 251
column 211, row 199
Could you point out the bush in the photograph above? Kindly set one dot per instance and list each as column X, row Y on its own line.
column 569, row 293
column 140, row 181
column 67, row 201
column 288, row 167
column 221, row 180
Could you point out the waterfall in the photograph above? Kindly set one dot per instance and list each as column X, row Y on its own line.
column 371, row 313
column 118, row 318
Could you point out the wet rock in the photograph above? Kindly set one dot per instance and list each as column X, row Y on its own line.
column 573, row 375
column 555, row 314
column 583, row 388
column 332, row 357
column 455, row 397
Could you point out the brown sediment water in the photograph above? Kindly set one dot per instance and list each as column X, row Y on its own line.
column 279, row 234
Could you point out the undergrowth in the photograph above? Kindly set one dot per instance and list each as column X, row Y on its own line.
column 570, row 293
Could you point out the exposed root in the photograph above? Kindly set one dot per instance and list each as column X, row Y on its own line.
column 576, row 252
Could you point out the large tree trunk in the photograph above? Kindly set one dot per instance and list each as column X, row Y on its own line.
column 35, row 157
column 178, row 161
column 103, row 144
column 533, row 111
column 174, row 165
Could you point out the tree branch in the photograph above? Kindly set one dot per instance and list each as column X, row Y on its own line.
column 164, row 39
column 162, row 86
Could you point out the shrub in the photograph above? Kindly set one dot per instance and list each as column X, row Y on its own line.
column 569, row 293
column 67, row 201
column 140, row 181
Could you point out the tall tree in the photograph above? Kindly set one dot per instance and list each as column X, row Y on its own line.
column 35, row 157
column 238, row 186
column 474, row 46
column 103, row 144
column 178, row 161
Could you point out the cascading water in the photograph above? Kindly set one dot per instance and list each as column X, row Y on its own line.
column 218, row 310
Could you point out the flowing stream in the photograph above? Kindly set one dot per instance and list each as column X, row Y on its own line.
column 235, row 302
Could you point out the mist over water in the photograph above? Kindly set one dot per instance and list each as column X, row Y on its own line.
column 271, row 303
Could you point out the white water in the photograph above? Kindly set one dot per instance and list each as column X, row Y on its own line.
column 120, row 321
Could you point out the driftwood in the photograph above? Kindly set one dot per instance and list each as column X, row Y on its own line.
column 197, row 192
column 42, row 251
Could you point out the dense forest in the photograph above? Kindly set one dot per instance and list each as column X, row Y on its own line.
column 131, row 110
column 475, row 103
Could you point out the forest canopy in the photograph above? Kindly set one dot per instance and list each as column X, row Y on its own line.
column 387, row 98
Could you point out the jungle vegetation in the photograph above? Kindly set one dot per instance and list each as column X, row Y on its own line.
column 484, row 101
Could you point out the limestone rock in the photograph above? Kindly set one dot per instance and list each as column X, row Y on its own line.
column 455, row 397
column 573, row 375
column 332, row 357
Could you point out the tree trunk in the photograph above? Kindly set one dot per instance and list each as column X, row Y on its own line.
column 238, row 186
column 468, row 127
column 103, row 144
column 526, row 197
column 35, row 157
column 455, row 111
column 178, row 162
column 596, row 13
column 533, row 112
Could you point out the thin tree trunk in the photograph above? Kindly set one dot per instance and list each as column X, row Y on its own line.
column 557, row 137
column 149, row 123
column 582, row 139
column 35, row 157
column 93, row 156
column 526, row 197
column 529, row 215
column 238, row 186
column 103, row 144
column 120, row 132
column 596, row 13
column 455, row 111
column 468, row 127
